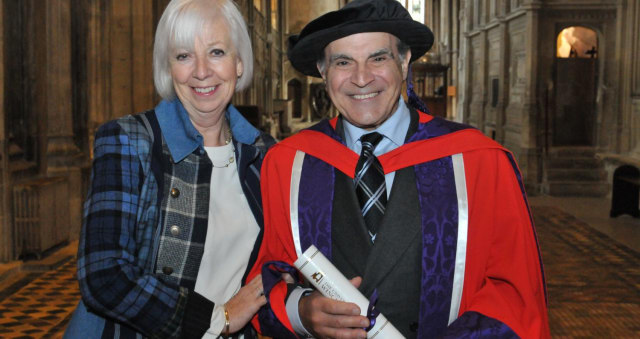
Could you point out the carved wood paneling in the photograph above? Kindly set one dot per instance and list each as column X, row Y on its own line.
column 635, row 45
column 142, row 30
column 58, row 83
column 119, row 52
column 581, row 15
column 6, row 227
column 120, row 40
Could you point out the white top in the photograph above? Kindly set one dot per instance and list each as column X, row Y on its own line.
column 231, row 234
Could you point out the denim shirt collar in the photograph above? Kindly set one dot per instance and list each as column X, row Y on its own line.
column 182, row 137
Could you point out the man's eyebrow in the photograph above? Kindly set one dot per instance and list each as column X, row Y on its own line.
column 384, row 51
column 335, row 57
column 381, row 52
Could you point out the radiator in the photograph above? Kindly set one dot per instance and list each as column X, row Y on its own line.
column 40, row 215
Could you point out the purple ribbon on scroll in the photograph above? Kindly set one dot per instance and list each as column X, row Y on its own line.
column 372, row 312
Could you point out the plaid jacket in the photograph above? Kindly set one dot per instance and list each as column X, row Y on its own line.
column 145, row 223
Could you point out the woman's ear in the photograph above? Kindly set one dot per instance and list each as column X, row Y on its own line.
column 239, row 68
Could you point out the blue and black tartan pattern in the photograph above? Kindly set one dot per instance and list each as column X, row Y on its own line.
column 124, row 242
column 370, row 185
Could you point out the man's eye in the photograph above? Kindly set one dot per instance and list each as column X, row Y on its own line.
column 380, row 58
column 342, row 63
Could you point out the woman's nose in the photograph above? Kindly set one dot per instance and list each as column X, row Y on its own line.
column 201, row 70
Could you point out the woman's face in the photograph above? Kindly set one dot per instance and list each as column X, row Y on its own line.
column 205, row 76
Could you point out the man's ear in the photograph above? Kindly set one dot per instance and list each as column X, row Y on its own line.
column 405, row 64
column 321, row 71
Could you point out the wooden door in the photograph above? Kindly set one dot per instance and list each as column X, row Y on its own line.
column 575, row 109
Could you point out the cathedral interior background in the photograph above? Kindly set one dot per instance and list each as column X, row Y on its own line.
column 555, row 81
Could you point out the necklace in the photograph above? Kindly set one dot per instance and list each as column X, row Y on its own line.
column 230, row 158
column 227, row 131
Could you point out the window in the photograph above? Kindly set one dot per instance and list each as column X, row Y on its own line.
column 415, row 8
column 577, row 42
column 258, row 5
column 274, row 14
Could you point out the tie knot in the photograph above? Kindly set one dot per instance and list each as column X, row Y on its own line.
column 370, row 141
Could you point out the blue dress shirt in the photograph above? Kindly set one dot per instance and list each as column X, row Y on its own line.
column 394, row 130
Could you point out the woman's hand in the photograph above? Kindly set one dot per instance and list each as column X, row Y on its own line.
column 245, row 304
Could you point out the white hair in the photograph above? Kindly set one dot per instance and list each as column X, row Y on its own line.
column 183, row 21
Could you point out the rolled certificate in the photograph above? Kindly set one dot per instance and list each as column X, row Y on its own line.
column 332, row 284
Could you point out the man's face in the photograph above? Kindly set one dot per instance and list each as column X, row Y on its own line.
column 364, row 76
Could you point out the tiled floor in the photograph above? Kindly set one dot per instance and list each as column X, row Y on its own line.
column 42, row 307
column 593, row 281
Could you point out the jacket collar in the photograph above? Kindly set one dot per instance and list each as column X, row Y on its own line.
column 182, row 137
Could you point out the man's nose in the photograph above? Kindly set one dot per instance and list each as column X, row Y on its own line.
column 362, row 76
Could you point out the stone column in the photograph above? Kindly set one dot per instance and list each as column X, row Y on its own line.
column 61, row 157
column 529, row 157
column 503, row 76
column 6, row 224
column 463, row 90
column 60, row 148
column 634, row 27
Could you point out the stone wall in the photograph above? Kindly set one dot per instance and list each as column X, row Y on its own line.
column 76, row 64
column 506, row 65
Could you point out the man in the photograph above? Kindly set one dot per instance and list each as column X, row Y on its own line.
column 428, row 213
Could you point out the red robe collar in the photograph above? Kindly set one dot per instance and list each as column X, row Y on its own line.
column 331, row 151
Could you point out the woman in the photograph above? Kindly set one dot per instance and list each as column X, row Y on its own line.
column 173, row 218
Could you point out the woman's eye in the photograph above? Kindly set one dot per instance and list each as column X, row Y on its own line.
column 182, row 56
column 217, row 52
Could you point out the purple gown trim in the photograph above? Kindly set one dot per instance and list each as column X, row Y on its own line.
column 314, row 204
column 438, row 202
column 315, row 197
column 476, row 325
column 269, row 323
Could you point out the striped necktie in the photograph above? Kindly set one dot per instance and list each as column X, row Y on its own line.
column 370, row 185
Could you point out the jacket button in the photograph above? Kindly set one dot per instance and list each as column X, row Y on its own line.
column 167, row 270
column 175, row 192
column 413, row 327
column 175, row 230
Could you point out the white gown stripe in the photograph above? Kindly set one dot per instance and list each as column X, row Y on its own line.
column 463, row 226
column 296, row 173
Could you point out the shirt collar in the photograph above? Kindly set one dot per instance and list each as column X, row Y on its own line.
column 182, row 137
column 394, row 129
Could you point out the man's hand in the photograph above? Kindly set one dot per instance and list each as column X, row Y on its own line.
column 328, row 318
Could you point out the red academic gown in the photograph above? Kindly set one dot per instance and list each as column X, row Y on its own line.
column 503, row 277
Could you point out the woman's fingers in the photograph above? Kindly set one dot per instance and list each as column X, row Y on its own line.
column 245, row 304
